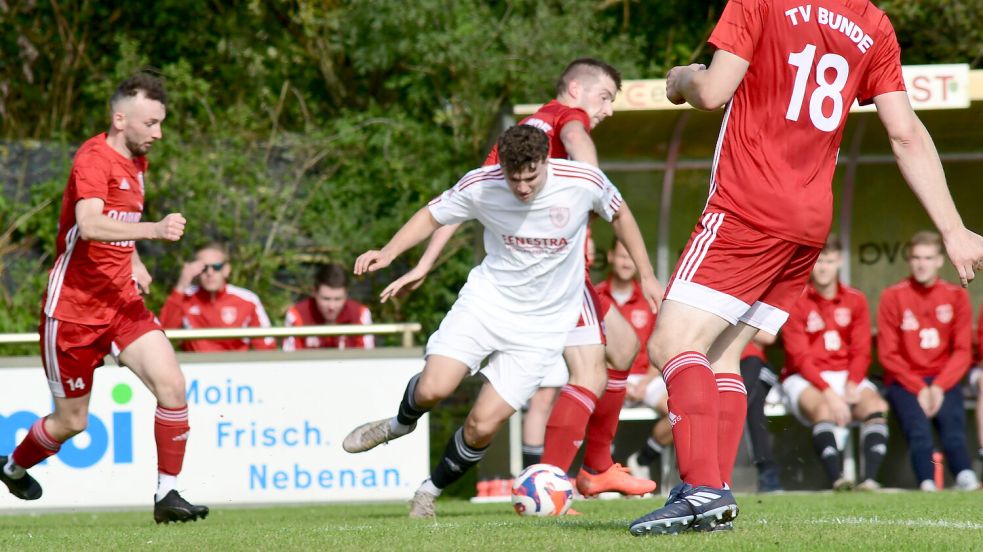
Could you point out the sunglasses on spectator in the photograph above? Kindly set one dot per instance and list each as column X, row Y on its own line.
column 214, row 266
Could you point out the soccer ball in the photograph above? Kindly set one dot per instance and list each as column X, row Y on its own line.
column 542, row 490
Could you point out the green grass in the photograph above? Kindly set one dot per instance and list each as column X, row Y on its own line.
column 826, row 522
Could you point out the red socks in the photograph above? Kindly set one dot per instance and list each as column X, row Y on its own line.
column 603, row 422
column 730, row 429
column 171, row 433
column 566, row 426
column 694, row 413
column 37, row 446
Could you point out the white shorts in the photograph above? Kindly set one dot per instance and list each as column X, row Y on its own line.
column 557, row 374
column 654, row 391
column 795, row 384
column 517, row 360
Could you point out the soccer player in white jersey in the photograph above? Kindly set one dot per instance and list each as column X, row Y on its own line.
column 517, row 305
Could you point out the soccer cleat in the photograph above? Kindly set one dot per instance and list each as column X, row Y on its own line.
column 768, row 481
column 24, row 488
column 175, row 508
column 720, row 527
column 868, row 485
column 640, row 471
column 616, row 478
column 688, row 507
column 368, row 436
column 423, row 505
column 842, row 485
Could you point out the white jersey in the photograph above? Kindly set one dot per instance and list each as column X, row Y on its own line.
column 533, row 271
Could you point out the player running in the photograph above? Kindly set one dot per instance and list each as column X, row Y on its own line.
column 589, row 405
column 92, row 306
column 518, row 304
column 788, row 72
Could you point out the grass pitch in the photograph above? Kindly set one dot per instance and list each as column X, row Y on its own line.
column 823, row 522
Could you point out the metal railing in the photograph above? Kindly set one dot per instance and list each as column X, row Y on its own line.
column 407, row 329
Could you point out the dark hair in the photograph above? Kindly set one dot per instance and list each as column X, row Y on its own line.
column 833, row 244
column 521, row 145
column 332, row 276
column 216, row 246
column 579, row 65
column 925, row 237
column 151, row 86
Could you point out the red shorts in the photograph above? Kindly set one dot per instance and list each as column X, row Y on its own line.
column 590, row 327
column 71, row 352
column 741, row 274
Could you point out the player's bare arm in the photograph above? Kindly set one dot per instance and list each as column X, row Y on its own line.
column 578, row 143
column 921, row 168
column 141, row 274
column 417, row 229
column 415, row 277
column 95, row 226
column 707, row 88
column 626, row 229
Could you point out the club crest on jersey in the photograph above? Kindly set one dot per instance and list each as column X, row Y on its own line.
column 814, row 323
column 559, row 216
column 944, row 313
column 639, row 318
column 909, row 322
column 124, row 185
column 229, row 315
column 842, row 316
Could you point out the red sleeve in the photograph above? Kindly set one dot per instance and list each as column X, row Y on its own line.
column 570, row 115
column 961, row 344
column 884, row 71
column 859, row 341
column 292, row 319
column 90, row 172
column 740, row 26
column 258, row 319
column 979, row 336
column 797, row 351
column 173, row 310
column 889, row 345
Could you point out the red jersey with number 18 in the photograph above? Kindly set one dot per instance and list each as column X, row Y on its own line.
column 781, row 132
column 91, row 280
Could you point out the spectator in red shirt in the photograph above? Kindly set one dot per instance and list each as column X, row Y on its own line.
column 329, row 305
column 924, row 343
column 214, row 303
column 827, row 348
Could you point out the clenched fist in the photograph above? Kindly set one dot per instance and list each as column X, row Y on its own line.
column 170, row 228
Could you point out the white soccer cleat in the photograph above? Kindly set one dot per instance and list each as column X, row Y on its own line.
column 423, row 505
column 966, row 481
column 928, row 486
column 869, row 485
column 368, row 436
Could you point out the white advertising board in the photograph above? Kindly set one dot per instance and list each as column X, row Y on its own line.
column 261, row 432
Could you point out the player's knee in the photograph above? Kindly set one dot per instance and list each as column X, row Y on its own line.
column 172, row 390
column 659, row 349
column 429, row 394
column 819, row 412
column 478, row 432
column 74, row 423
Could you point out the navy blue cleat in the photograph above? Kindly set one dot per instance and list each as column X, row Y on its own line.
column 689, row 507
column 24, row 488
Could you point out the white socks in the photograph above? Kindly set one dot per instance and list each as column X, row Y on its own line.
column 429, row 488
column 399, row 429
column 13, row 470
column 165, row 484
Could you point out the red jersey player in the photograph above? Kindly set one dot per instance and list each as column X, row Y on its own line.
column 827, row 352
column 92, row 306
column 924, row 341
column 788, row 72
column 589, row 406
column 214, row 303
column 329, row 305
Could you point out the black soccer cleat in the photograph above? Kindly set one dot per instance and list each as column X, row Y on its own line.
column 174, row 508
column 688, row 507
column 24, row 488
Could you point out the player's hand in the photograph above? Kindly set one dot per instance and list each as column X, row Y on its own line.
column 837, row 406
column 170, row 228
column 965, row 250
column 674, row 81
column 653, row 292
column 189, row 272
column 404, row 284
column 937, row 395
column 370, row 261
column 142, row 278
column 850, row 393
column 925, row 401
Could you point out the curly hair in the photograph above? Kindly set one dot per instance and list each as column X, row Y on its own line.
column 522, row 145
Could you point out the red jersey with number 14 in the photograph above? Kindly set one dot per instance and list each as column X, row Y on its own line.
column 91, row 280
column 781, row 132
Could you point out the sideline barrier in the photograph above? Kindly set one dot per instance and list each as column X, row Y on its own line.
column 266, row 428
